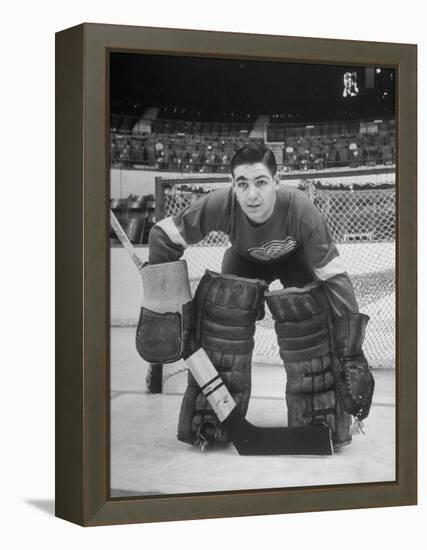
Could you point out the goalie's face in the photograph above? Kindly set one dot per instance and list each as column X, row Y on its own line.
column 255, row 190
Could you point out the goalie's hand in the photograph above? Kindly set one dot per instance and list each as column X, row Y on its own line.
column 355, row 385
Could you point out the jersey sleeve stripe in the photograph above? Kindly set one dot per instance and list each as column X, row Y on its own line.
column 171, row 230
column 334, row 267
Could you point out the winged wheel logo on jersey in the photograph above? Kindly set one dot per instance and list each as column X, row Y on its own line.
column 273, row 249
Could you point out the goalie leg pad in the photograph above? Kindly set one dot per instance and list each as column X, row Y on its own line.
column 304, row 337
column 227, row 307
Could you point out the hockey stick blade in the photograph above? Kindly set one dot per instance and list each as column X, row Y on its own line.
column 256, row 440
column 247, row 438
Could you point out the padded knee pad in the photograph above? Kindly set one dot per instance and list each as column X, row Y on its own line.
column 304, row 337
column 227, row 307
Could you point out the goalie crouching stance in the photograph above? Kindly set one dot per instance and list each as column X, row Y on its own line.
column 275, row 232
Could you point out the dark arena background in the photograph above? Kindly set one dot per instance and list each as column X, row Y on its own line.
column 175, row 123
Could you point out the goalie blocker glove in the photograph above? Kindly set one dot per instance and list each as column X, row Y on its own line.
column 165, row 331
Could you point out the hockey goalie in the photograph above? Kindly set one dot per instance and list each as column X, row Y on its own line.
column 276, row 233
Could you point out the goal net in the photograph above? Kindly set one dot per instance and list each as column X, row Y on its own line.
column 359, row 207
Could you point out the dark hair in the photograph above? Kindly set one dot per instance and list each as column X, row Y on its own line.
column 250, row 154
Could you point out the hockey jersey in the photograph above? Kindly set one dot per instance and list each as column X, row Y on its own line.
column 295, row 224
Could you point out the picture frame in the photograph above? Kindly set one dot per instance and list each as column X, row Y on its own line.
column 82, row 285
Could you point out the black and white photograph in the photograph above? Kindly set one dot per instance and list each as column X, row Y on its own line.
column 218, row 195
column 252, row 274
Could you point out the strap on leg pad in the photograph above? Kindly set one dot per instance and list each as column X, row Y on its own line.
column 227, row 308
column 304, row 337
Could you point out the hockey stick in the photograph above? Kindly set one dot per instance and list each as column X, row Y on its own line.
column 154, row 381
column 124, row 239
column 247, row 438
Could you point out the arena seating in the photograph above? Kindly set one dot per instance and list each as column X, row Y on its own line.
column 335, row 144
column 196, row 145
